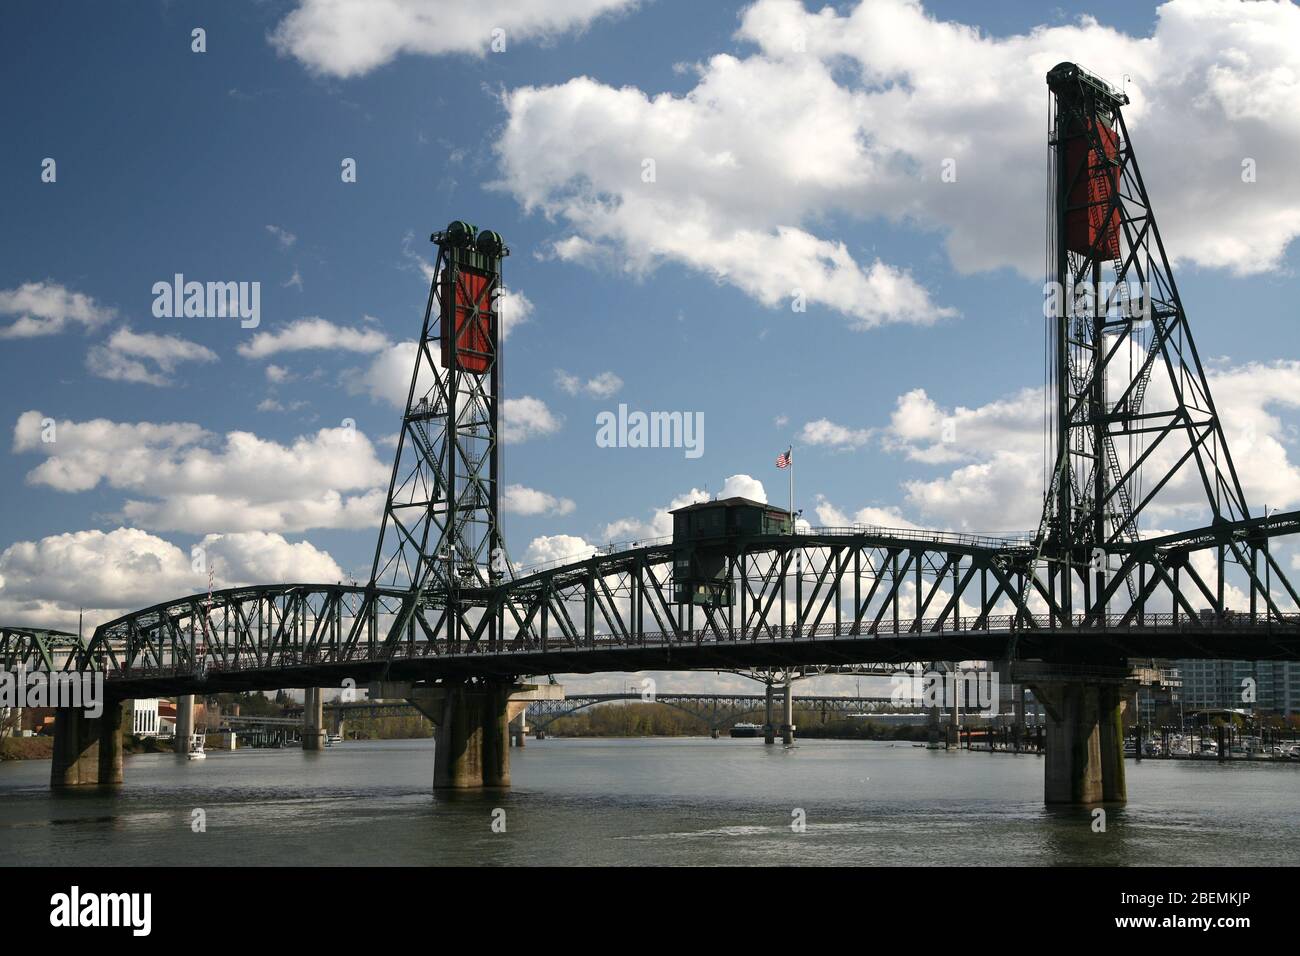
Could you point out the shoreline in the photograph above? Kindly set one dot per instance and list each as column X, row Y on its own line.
column 42, row 748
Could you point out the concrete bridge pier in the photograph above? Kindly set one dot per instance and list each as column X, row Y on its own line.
column 769, row 736
column 472, row 743
column 87, row 750
column 184, row 723
column 1084, row 741
column 1019, row 692
column 471, row 727
column 313, row 719
column 518, row 712
column 787, row 716
column 954, row 721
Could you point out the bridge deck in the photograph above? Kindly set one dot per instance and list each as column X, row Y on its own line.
column 706, row 650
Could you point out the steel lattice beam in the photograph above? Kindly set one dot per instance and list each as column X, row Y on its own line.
column 609, row 612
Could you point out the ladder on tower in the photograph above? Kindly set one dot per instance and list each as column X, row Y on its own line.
column 1125, row 304
column 1124, row 518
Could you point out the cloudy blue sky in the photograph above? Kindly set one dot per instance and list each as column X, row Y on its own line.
column 796, row 150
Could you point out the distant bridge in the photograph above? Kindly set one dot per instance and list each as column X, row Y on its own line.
column 717, row 711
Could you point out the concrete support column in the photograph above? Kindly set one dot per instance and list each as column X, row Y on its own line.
column 313, row 719
column 769, row 737
column 111, row 726
column 1110, row 715
column 787, row 721
column 471, row 727
column 1084, row 741
column 184, row 722
column 87, row 750
column 518, row 723
column 75, row 760
column 1019, row 692
column 954, row 717
column 471, row 748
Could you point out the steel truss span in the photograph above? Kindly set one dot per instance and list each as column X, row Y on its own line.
column 27, row 648
column 826, row 597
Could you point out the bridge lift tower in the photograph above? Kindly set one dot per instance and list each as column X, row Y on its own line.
column 441, row 537
column 1133, row 417
column 1117, row 327
column 441, row 532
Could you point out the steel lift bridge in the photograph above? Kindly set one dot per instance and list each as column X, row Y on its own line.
column 448, row 618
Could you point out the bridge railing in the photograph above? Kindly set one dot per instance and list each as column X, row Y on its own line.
column 995, row 542
column 964, row 538
column 596, row 551
column 906, row 630
column 1003, row 623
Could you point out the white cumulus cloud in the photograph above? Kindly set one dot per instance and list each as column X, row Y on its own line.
column 555, row 547
column 347, row 38
column 603, row 385
column 527, row 417
column 314, row 333
column 825, row 432
column 996, row 451
column 109, row 573
column 144, row 358
column 182, row 478
column 47, row 308
column 856, row 112
column 521, row 500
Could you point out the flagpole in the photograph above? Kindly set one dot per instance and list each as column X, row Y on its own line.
column 790, row 457
column 798, row 576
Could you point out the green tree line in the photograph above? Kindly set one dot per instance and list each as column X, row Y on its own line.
column 663, row 720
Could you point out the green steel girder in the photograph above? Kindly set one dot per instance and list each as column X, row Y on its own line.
column 32, row 648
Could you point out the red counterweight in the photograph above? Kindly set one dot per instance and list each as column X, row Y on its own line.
column 1090, row 215
column 472, row 304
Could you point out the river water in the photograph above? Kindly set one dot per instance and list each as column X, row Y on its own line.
column 646, row 802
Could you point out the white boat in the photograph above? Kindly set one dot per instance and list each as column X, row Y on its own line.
column 332, row 739
column 196, row 747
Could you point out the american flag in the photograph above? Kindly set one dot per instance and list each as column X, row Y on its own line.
column 783, row 459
